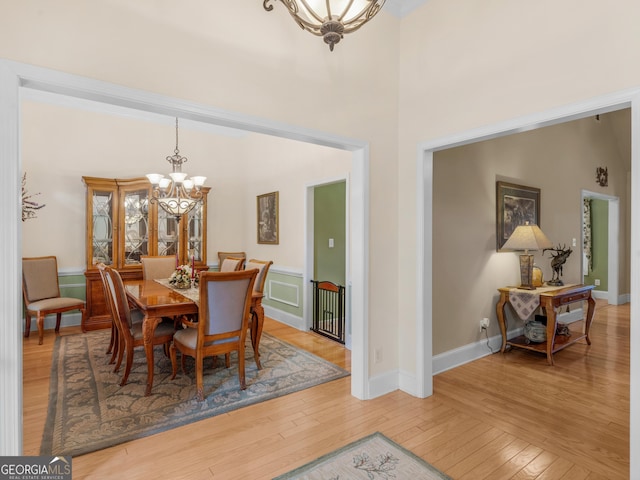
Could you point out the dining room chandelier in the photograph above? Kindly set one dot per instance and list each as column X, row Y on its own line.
column 330, row 19
column 176, row 194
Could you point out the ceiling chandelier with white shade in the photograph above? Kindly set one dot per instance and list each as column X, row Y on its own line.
column 330, row 19
column 176, row 194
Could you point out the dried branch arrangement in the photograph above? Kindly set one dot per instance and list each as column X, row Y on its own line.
column 29, row 207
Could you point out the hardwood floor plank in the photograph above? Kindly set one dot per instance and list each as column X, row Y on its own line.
column 516, row 463
column 501, row 417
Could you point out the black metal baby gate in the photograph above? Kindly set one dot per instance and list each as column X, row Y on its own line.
column 328, row 310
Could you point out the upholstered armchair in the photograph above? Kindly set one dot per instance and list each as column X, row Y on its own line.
column 41, row 294
column 223, row 314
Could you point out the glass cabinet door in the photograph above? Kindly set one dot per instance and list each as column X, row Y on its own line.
column 135, row 226
column 195, row 233
column 102, row 245
column 167, row 233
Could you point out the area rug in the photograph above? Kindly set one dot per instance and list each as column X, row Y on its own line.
column 370, row 458
column 88, row 410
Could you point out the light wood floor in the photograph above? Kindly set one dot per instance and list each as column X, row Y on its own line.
column 501, row 417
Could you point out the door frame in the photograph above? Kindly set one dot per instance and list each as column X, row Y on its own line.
column 14, row 78
column 613, row 251
column 309, row 242
column 424, row 221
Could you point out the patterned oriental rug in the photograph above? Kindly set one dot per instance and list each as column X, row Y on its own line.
column 88, row 410
column 372, row 457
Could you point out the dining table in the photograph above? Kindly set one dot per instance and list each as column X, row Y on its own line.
column 158, row 298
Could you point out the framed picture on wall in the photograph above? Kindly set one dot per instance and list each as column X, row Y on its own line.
column 515, row 205
column 268, row 218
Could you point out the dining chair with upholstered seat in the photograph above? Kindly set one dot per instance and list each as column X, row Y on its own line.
column 223, row 315
column 258, row 287
column 231, row 261
column 129, row 324
column 41, row 293
column 157, row 266
column 114, row 339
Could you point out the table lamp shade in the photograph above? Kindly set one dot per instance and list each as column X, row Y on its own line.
column 527, row 237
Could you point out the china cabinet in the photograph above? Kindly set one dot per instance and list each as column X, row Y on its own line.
column 122, row 225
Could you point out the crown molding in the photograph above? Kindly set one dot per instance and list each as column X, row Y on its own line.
column 402, row 8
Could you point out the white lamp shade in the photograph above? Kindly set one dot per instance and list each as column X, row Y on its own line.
column 198, row 180
column 527, row 237
column 178, row 177
column 154, row 178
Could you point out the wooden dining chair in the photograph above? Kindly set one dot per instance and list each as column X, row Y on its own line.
column 41, row 293
column 231, row 261
column 157, row 266
column 223, row 315
column 129, row 324
column 258, row 287
column 114, row 338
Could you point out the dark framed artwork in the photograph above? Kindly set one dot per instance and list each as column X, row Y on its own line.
column 268, row 218
column 515, row 205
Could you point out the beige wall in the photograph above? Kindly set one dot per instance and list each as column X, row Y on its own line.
column 468, row 64
column 561, row 160
column 60, row 145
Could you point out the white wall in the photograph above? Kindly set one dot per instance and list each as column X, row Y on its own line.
column 61, row 144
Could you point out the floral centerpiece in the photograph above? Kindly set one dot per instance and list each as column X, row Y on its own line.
column 182, row 277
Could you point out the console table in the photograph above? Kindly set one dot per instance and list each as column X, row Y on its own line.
column 550, row 299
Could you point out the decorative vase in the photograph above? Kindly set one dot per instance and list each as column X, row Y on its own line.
column 537, row 280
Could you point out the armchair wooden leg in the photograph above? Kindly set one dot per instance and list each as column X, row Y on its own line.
column 27, row 325
column 58, row 320
column 40, row 328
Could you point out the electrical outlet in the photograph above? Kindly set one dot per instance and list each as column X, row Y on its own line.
column 484, row 324
column 596, row 282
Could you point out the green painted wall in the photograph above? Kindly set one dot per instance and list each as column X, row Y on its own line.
column 284, row 292
column 600, row 244
column 329, row 222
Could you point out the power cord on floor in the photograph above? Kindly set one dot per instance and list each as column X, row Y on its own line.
column 486, row 334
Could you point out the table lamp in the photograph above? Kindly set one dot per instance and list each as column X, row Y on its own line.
column 527, row 237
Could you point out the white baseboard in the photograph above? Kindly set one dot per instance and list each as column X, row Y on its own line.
column 284, row 317
column 68, row 320
column 384, row 383
column 468, row 353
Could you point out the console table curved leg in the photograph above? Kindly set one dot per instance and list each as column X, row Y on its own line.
column 590, row 311
column 551, row 328
column 504, row 297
